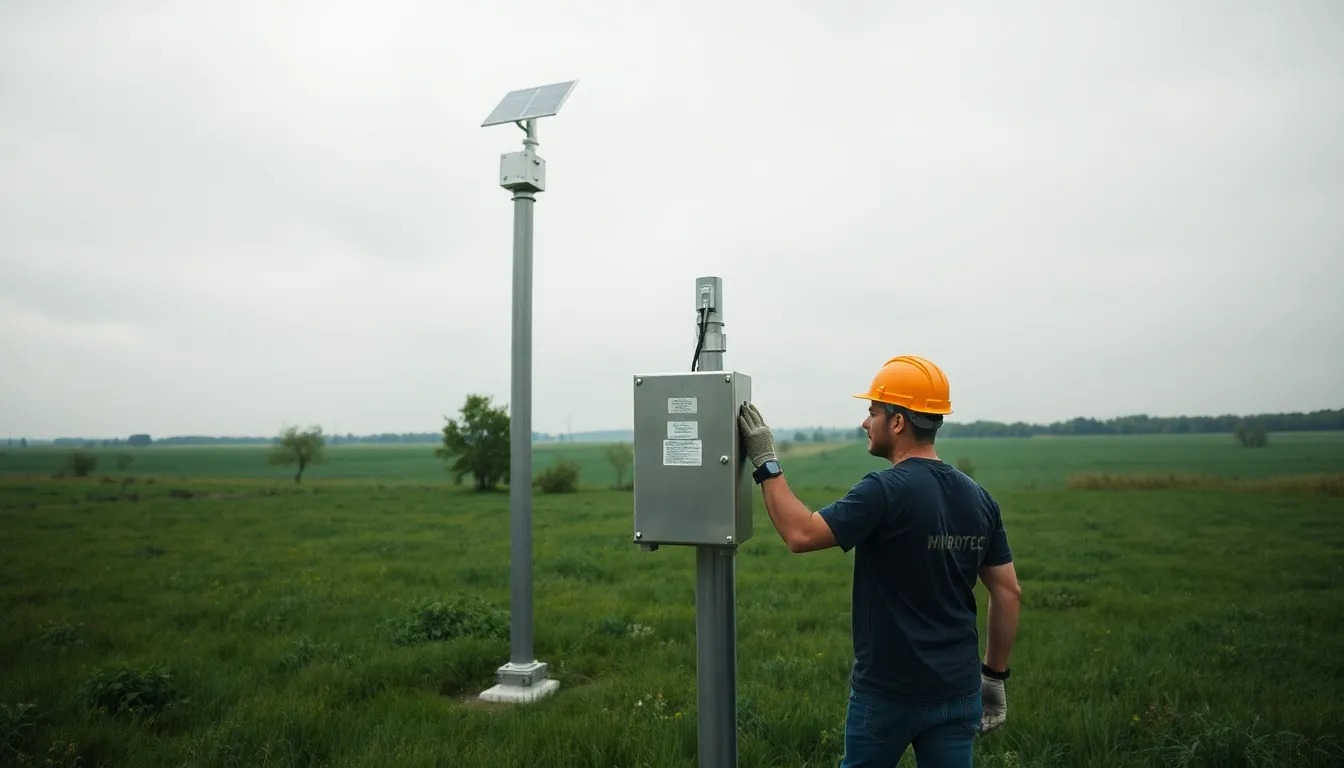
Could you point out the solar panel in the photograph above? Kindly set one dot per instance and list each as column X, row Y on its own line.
column 530, row 102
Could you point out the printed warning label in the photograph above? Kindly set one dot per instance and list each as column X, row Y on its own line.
column 682, row 405
column 681, row 453
column 683, row 430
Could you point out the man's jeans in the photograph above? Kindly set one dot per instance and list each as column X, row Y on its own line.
column 877, row 731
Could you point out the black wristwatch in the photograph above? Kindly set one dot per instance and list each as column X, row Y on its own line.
column 987, row 672
column 766, row 471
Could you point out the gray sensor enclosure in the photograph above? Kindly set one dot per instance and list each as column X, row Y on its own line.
column 692, row 482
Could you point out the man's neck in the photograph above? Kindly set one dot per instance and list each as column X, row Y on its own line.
column 916, row 451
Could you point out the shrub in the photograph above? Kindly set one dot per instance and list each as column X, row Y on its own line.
column 124, row 460
column 563, row 477
column 1252, row 434
column 439, row 620
column 121, row 688
column 81, row 463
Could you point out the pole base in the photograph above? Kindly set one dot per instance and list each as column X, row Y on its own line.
column 516, row 694
column 521, row 684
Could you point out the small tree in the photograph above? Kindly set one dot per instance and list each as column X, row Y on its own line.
column 124, row 460
column 800, row 437
column 620, row 455
column 81, row 463
column 819, row 436
column 479, row 445
column 1252, row 434
column 302, row 448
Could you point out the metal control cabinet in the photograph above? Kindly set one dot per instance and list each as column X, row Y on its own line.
column 692, row 485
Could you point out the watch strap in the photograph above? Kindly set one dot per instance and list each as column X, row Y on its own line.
column 766, row 471
column 987, row 672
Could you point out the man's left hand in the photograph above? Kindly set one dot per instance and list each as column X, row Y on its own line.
column 756, row 436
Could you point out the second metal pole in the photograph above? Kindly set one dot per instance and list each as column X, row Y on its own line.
column 520, row 436
column 715, row 599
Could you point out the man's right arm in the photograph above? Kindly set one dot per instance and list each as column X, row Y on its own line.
column 1005, row 597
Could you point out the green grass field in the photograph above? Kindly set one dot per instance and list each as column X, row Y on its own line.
column 1160, row 627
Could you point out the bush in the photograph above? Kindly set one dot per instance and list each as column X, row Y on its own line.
column 124, row 460
column 1252, row 434
column 117, row 689
column 439, row 620
column 81, row 463
column 563, row 477
column 967, row 468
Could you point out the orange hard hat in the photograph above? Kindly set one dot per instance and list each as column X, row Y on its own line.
column 913, row 383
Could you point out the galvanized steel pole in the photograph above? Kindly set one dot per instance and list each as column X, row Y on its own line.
column 523, row 678
column 715, row 599
column 520, row 431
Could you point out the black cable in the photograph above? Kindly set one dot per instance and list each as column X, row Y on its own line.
column 700, row 343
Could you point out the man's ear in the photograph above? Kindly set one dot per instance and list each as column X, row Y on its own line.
column 897, row 426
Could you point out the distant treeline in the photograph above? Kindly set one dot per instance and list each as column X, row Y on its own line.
column 1315, row 421
column 142, row 440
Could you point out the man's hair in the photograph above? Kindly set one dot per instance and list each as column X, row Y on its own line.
column 923, row 434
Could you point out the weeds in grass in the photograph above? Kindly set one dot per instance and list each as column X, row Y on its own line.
column 305, row 651
column 61, row 754
column 1205, row 739
column 611, row 626
column 120, row 688
column 16, row 722
column 1052, row 756
column 63, row 635
column 439, row 620
column 1330, row 485
column 583, row 569
column 655, row 707
column 1055, row 599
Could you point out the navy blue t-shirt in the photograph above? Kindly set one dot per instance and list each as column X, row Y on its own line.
column 920, row 530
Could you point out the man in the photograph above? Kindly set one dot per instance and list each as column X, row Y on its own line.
column 921, row 531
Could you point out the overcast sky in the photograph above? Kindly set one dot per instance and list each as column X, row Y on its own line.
column 225, row 218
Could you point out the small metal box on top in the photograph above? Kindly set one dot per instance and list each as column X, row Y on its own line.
column 691, row 481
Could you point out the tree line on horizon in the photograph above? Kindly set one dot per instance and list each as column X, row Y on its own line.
column 1313, row 421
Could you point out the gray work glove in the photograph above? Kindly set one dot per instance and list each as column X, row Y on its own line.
column 756, row 437
column 995, row 703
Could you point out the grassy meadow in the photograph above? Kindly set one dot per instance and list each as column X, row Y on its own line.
column 198, row 608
